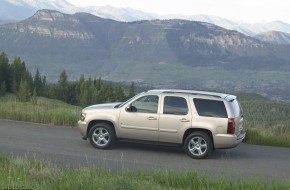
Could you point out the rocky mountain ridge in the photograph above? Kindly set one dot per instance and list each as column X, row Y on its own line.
column 11, row 10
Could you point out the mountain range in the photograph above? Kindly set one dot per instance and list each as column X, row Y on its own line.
column 163, row 53
column 17, row 10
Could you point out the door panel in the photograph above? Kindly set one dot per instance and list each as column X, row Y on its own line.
column 172, row 127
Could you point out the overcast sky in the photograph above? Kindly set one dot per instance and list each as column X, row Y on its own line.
column 239, row 10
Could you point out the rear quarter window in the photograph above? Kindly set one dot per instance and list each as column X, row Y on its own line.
column 210, row 108
column 236, row 108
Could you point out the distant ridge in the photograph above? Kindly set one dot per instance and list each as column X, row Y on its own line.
column 275, row 37
column 12, row 10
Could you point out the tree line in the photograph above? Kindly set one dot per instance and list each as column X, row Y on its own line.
column 15, row 78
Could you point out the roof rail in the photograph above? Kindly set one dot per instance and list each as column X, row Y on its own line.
column 194, row 93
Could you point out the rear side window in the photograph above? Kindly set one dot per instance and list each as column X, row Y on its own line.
column 175, row 105
column 210, row 108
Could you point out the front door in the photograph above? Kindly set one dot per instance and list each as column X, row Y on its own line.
column 140, row 119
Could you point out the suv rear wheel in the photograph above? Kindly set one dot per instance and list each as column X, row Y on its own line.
column 102, row 136
column 198, row 145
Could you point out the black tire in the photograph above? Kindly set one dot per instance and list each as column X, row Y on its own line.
column 102, row 136
column 198, row 145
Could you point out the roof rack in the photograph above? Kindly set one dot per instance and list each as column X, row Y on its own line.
column 191, row 92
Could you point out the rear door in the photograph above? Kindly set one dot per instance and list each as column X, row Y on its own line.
column 174, row 119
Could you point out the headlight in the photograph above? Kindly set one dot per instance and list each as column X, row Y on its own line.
column 83, row 116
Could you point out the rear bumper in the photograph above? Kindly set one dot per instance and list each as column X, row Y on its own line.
column 83, row 129
column 228, row 141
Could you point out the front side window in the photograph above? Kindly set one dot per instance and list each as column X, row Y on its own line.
column 175, row 105
column 210, row 108
column 145, row 104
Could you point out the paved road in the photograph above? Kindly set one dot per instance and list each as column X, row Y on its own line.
column 64, row 147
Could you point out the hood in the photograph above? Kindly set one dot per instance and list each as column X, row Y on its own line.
column 104, row 106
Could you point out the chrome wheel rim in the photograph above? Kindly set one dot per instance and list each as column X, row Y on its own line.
column 101, row 136
column 197, row 146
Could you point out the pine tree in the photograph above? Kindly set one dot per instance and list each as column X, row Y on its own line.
column 3, row 89
column 119, row 93
column 83, row 97
column 92, row 92
column 71, row 97
column 23, row 92
column 37, row 83
column 98, row 83
column 34, row 97
column 110, row 93
column 62, row 86
column 132, row 90
column 79, row 89
column 18, row 72
column 5, row 71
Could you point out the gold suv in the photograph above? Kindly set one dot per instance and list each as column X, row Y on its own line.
column 197, row 120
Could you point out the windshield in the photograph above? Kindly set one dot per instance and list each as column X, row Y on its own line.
column 122, row 104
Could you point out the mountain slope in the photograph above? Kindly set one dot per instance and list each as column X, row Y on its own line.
column 187, row 40
column 245, row 28
column 254, row 29
column 274, row 37
column 160, row 52
column 119, row 14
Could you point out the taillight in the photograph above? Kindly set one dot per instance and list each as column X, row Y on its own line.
column 231, row 126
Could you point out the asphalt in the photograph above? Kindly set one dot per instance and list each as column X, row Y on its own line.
column 64, row 147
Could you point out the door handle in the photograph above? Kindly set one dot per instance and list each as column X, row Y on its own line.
column 151, row 118
column 184, row 120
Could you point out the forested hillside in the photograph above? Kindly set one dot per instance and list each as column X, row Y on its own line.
column 15, row 78
column 265, row 115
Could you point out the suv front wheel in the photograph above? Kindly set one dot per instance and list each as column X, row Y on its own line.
column 102, row 136
column 198, row 145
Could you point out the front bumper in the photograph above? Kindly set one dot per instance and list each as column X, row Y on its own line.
column 82, row 125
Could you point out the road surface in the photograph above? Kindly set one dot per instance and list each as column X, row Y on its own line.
column 63, row 146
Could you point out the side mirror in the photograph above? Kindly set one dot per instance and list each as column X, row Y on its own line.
column 128, row 108
column 131, row 108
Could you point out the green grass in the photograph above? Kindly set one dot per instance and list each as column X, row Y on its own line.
column 45, row 111
column 267, row 122
column 261, row 137
column 19, row 172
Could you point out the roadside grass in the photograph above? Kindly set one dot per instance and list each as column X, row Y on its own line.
column 19, row 173
column 46, row 111
column 267, row 122
column 263, row 137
